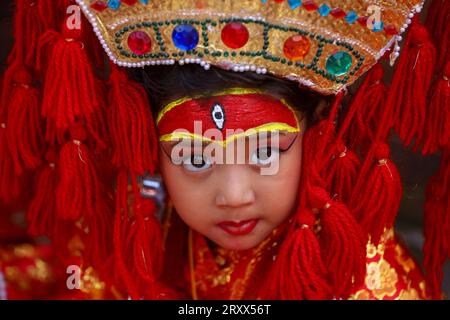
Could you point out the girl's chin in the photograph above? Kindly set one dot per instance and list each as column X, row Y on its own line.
column 238, row 243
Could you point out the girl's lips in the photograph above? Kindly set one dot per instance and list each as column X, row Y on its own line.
column 239, row 228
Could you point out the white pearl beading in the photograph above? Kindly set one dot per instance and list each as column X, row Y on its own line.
column 205, row 64
column 396, row 52
column 235, row 67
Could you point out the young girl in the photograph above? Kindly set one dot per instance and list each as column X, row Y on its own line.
column 230, row 221
column 234, row 163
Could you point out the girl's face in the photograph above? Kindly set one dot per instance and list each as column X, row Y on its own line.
column 235, row 205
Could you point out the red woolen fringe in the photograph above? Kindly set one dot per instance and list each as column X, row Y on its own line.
column 436, row 248
column 51, row 13
column 33, row 27
column 70, row 89
column 367, row 105
column 41, row 212
column 138, row 247
column 147, row 246
column 10, row 183
column 359, row 128
column 24, row 131
column 411, row 84
column 437, row 23
column 375, row 201
column 97, row 236
column 79, row 189
column 121, row 254
column 437, row 131
column 343, row 172
column 343, row 243
column 131, row 125
column 299, row 272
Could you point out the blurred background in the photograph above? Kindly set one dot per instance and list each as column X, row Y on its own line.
column 415, row 169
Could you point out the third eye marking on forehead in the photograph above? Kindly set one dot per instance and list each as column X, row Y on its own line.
column 218, row 115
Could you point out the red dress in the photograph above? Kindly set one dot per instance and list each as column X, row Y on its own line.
column 196, row 269
column 226, row 274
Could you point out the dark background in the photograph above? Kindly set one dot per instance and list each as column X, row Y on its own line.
column 415, row 169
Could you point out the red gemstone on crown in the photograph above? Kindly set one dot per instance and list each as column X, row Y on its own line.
column 338, row 13
column 390, row 30
column 296, row 47
column 235, row 35
column 130, row 2
column 310, row 5
column 139, row 42
column 362, row 21
column 99, row 6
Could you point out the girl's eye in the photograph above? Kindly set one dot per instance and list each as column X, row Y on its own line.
column 196, row 163
column 264, row 156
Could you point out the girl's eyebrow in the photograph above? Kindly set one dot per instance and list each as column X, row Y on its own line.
column 190, row 143
column 282, row 135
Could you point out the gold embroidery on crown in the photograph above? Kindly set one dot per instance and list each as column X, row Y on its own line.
column 269, row 25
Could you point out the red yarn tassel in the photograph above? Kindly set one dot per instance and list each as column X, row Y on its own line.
column 24, row 132
column 436, row 248
column 437, row 23
column 359, row 128
column 79, row 189
column 28, row 27
column 146, row 235
column 131, row 125
column 50, row 13
column 437, row 133
column 123, row 273
column 41, row 211
column 342, row 242
column 33, row 27
column 10, row 183
column 70, row 91
column 81, row 197
column 411, row 84
column 367, row 105
column 138, row 246
column 299, row 272
column 97, row 235
column 343, row 172
column 377, row 197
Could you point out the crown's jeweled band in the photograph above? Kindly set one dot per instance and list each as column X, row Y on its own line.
column 324, row 46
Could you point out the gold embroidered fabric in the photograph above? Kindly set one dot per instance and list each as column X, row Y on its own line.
column 391, row 273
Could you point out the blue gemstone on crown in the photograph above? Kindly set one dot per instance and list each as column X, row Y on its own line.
column 351, row 17
column 114, row 4
column 324, row 10
column 294, row 3
column 185, row 37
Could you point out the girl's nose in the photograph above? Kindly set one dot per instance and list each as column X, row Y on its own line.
column 235, row 187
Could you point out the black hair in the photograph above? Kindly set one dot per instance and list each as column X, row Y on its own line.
column 167, row 83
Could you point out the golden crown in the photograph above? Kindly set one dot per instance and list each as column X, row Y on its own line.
column 325, row 45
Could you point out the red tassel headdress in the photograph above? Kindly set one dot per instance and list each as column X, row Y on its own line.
column 79, row 131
